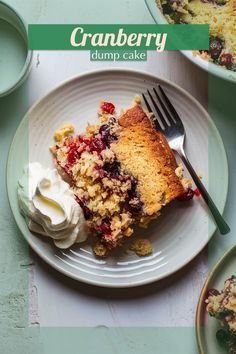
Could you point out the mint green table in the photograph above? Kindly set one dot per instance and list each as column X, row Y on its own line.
column 37, row 305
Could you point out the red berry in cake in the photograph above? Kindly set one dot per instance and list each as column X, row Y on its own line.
column 197, row 192
column 216, row 46
column 212, row 292
column 72, row 145
column 83, row 140
column 108, row 107
column 188, row 195
column 71, row 157
column 97, row 145
column 105, row 130
column 226, row 59
column 102, row 173
column 87, row 212
column 113, row 169
column 135, row 204
column 105, row 227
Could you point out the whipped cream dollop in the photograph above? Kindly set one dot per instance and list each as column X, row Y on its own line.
column 49, row 204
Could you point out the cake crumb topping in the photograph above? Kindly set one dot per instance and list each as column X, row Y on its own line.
column 100, row 249
column 64, row 131
column 141, row 246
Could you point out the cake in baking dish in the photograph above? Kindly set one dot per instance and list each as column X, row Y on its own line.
column 221, row 17
column 222, row 306
column 122, row 172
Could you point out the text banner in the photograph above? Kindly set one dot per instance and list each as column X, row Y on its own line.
column 119, row 37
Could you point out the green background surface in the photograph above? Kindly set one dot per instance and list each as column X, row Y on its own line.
column 15, row 335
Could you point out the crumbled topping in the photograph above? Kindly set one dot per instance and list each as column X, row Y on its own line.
column 141, row 246
column 222, row 305
column 180, row 171
column 186, row 181
column 137, row 99
column 100, row 250
column 64, row 131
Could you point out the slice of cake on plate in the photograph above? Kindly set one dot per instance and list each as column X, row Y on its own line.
column 122, row 172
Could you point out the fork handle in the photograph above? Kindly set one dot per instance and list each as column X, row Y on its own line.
column 220, row 222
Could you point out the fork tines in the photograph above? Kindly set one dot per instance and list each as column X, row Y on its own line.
column 165, row 114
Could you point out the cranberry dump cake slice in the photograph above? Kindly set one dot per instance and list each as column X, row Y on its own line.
column 122, row 172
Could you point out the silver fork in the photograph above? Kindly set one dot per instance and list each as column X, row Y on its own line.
column 173, row 129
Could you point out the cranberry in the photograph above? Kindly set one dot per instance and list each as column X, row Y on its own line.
column 134, row 183
column 105, row 227
column 110, row 139
column 87, row 212
column 71, row 157
column 136, row 204
column 97, row 145
column 123, row 178
column 108, row 107
column 102, row 173
column 112, row 168
column 216, row 46
column 188, row 195
column 79, row 201
column 226, row 60
column 72, row 145
column 197, row 192
column 213, row 292
column 83, row 140
column 107, row 137
column 104, row 128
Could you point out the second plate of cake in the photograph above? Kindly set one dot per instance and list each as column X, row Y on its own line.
column 182, row 229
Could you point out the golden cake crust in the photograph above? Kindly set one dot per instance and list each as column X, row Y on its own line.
column 145, row 153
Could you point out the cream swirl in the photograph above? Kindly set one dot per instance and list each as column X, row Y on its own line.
column 49, row 204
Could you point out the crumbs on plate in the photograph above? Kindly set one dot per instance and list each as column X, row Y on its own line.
column 64, row 131
column 142, row 247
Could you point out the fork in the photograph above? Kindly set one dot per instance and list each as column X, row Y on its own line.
column 172, row 127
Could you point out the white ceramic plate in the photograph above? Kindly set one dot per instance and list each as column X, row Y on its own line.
column 212, row 68
column 183, row 229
